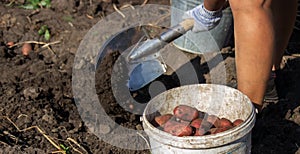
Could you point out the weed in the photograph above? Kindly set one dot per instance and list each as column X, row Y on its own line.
column 65, row 149
column 35, row 4
column 45, row 31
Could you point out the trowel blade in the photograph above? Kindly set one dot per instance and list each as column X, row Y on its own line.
column 144, row 73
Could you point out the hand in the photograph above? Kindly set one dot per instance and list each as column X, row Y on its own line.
column 204, row 19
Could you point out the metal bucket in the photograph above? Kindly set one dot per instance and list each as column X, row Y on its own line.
column 214, row 99
column 201, row 42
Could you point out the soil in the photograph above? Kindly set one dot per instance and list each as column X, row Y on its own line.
column 36, row 90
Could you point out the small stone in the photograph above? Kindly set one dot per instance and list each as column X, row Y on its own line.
column 226, row 50
column 77, row 124
column 132, row 118
column 37, row 138
column 104, row 129
column 134, row 95
column 38, row 113
column 131, row 106
column 10, row 91
column 79, row 64
column 73, row 50
column 139, row 127
column 47, row 118
column 54, row 130
column 31, row 93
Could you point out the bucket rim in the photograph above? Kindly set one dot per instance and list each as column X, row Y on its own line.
column 203, row 142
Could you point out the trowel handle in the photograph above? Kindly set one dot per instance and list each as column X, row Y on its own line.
column 177, row 30
column 187, row 24
column 151, row 46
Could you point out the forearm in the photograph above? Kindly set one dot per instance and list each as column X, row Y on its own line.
column 214, row 5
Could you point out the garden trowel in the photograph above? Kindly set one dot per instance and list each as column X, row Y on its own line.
column 145, row 60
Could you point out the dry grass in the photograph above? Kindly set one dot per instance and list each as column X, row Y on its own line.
column 59, row 148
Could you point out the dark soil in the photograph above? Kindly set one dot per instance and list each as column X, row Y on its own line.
column 36, row 90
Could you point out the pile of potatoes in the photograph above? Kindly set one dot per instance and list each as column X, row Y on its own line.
column 188, row 121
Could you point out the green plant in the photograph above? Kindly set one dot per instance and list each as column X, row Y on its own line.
column 65, row 149
column 45, row 31
column 35, row 4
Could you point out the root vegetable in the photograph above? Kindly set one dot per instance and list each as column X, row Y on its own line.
column 206, row 125
column 213, row 119
column 188, row 121
column 177, row 128
column 196, row 123
column 217, row 130
column 223, row 122
column 200, row 123
column 200, row 132
column 160, row 120
column 10, row 43
column 26, row 48
column 185, row 112
column 237, row 122
column 182, row 121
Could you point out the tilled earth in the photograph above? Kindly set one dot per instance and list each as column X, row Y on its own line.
column 36, row 99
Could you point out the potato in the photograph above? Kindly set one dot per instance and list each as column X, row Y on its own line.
column 196, row 123
column 223, row 122
column 185, row 112
column 217, row 130
column 182, row 121
column 237, row 122
column 10, row 44
column 200, row 132
column 26, row 49
column 160, row 120
column 200, row 123
column 207, row 125
column 177, row 128
column 213, row 119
